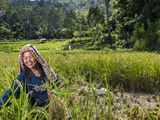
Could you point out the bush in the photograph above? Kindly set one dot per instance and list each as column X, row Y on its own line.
column 146, row 39
column 81, row 34
column 66, row 33
column 5, row 33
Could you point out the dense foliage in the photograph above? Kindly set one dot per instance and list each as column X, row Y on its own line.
column 115, row 23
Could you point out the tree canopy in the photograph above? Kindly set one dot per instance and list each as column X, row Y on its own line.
column 125, row 23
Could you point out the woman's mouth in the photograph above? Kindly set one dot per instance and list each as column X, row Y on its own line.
column 29, row 64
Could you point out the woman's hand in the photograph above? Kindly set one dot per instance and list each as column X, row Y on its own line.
column 50, row 94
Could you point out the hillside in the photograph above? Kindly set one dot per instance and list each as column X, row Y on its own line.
column 74, row 3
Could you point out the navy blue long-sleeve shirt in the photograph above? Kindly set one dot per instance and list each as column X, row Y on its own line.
column 34, row 86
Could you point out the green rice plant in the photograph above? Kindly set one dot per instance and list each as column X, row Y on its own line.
column 129, row 69
column 138, row 71
column 135, row 71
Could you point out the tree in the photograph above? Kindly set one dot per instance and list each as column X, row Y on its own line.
column 3, row 5
column 95, row 16
column 108, row 39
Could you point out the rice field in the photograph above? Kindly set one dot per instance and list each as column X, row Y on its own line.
column 95, row 85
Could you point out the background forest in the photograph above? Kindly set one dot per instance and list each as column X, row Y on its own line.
column 112, row 23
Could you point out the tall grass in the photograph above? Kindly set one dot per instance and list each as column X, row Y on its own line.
column 134, row 71
column 81, row 72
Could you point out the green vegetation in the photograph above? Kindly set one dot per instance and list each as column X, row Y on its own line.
column 82, row 74
column 112, row 23
column 134, row 70
column 90, row 44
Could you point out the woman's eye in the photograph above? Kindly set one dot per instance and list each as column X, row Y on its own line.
column 30, row 57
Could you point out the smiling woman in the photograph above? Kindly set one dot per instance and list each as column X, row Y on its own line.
column 34, row 73
column 29, row 60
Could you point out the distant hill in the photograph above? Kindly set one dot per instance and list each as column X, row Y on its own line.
column 74, row 3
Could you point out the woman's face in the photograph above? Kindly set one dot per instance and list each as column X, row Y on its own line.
column 29, row 60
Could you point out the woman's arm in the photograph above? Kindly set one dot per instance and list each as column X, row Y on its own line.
column 5, row 97
column 13, row 90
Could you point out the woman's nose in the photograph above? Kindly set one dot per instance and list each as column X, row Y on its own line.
column 28, row 59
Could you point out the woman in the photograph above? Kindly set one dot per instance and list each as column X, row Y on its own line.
column 34, row 73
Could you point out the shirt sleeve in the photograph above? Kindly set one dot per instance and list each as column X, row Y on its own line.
column 14, row 89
